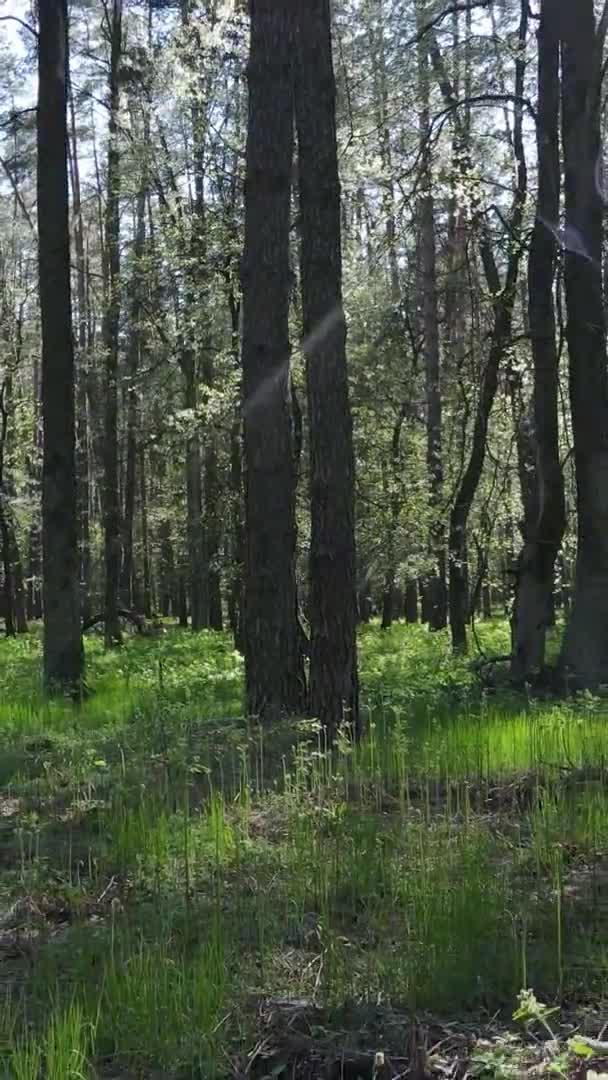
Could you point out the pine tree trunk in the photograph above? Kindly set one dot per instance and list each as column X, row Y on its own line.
column 333, row 607
column 62, row 647
column 274, row 675
column 82, row 375
column 110, row 330
column 585, row 646
column 536, row 563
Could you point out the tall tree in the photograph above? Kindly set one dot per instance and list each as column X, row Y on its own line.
column 273, row 665
column 333, row 659
column 536, row 565
column 585, row 647
column 110, row 334
column 436, row 599
column 503, row 295
column 63, row 654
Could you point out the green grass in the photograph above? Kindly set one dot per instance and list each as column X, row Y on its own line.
column 171, row 865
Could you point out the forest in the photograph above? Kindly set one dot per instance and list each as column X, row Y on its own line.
column 303, row 539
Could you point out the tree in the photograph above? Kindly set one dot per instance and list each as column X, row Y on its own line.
column 536, row 564
column 436, row 599
column 585, row 646
column 63, row 654
column 110, row 332
column 333, row 661
column 274, row 674
column 503, row 295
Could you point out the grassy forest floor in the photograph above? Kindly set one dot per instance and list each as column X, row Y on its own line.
column 185, row 895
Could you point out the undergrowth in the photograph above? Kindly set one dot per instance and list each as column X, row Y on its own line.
column 166, row 865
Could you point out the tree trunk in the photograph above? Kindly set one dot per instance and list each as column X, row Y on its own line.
column 585, row 646
column 333, row 606
column 213, row 535
column 63, row 658
column 536, row 563
column 436, row 584
column 145, row 535
column 133, row 360
column 199, row 600
column 82, row 375
column 34, row 543
column 411, row 601
column 110, row 330
column 503, row 299
column 274, row 675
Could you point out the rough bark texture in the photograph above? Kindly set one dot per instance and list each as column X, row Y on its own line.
column 274, row 677
column 333, row 607
column 62, row 649
column 585, row 647
column 110, row 330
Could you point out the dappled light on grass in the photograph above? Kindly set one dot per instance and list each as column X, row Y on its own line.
column 172, row 864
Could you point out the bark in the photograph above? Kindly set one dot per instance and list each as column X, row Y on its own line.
column 585, row 646
column 110, row 330
column 63, row 660
column 411, row 601
column 333, row 606
column 274, row 676
column 436, row 584
column 536, row 564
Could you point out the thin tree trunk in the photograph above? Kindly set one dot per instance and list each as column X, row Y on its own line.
column 274, row 675
column 110, row 330
column 503, row 300
column 34, row 544
column 82, row 374
column 145, row 534
column 63, row 658
column 333, row 604
column 436, row 583
column 133, row 360
column 411, row 601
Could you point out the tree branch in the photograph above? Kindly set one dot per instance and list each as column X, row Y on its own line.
column 24, row 25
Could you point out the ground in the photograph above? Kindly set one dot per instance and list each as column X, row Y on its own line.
column 185, row 894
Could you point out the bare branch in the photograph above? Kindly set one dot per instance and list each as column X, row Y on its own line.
column 18, row 195
column 434, row 23
column 24, row 25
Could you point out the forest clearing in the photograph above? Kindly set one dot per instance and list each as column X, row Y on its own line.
column 185, row 894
